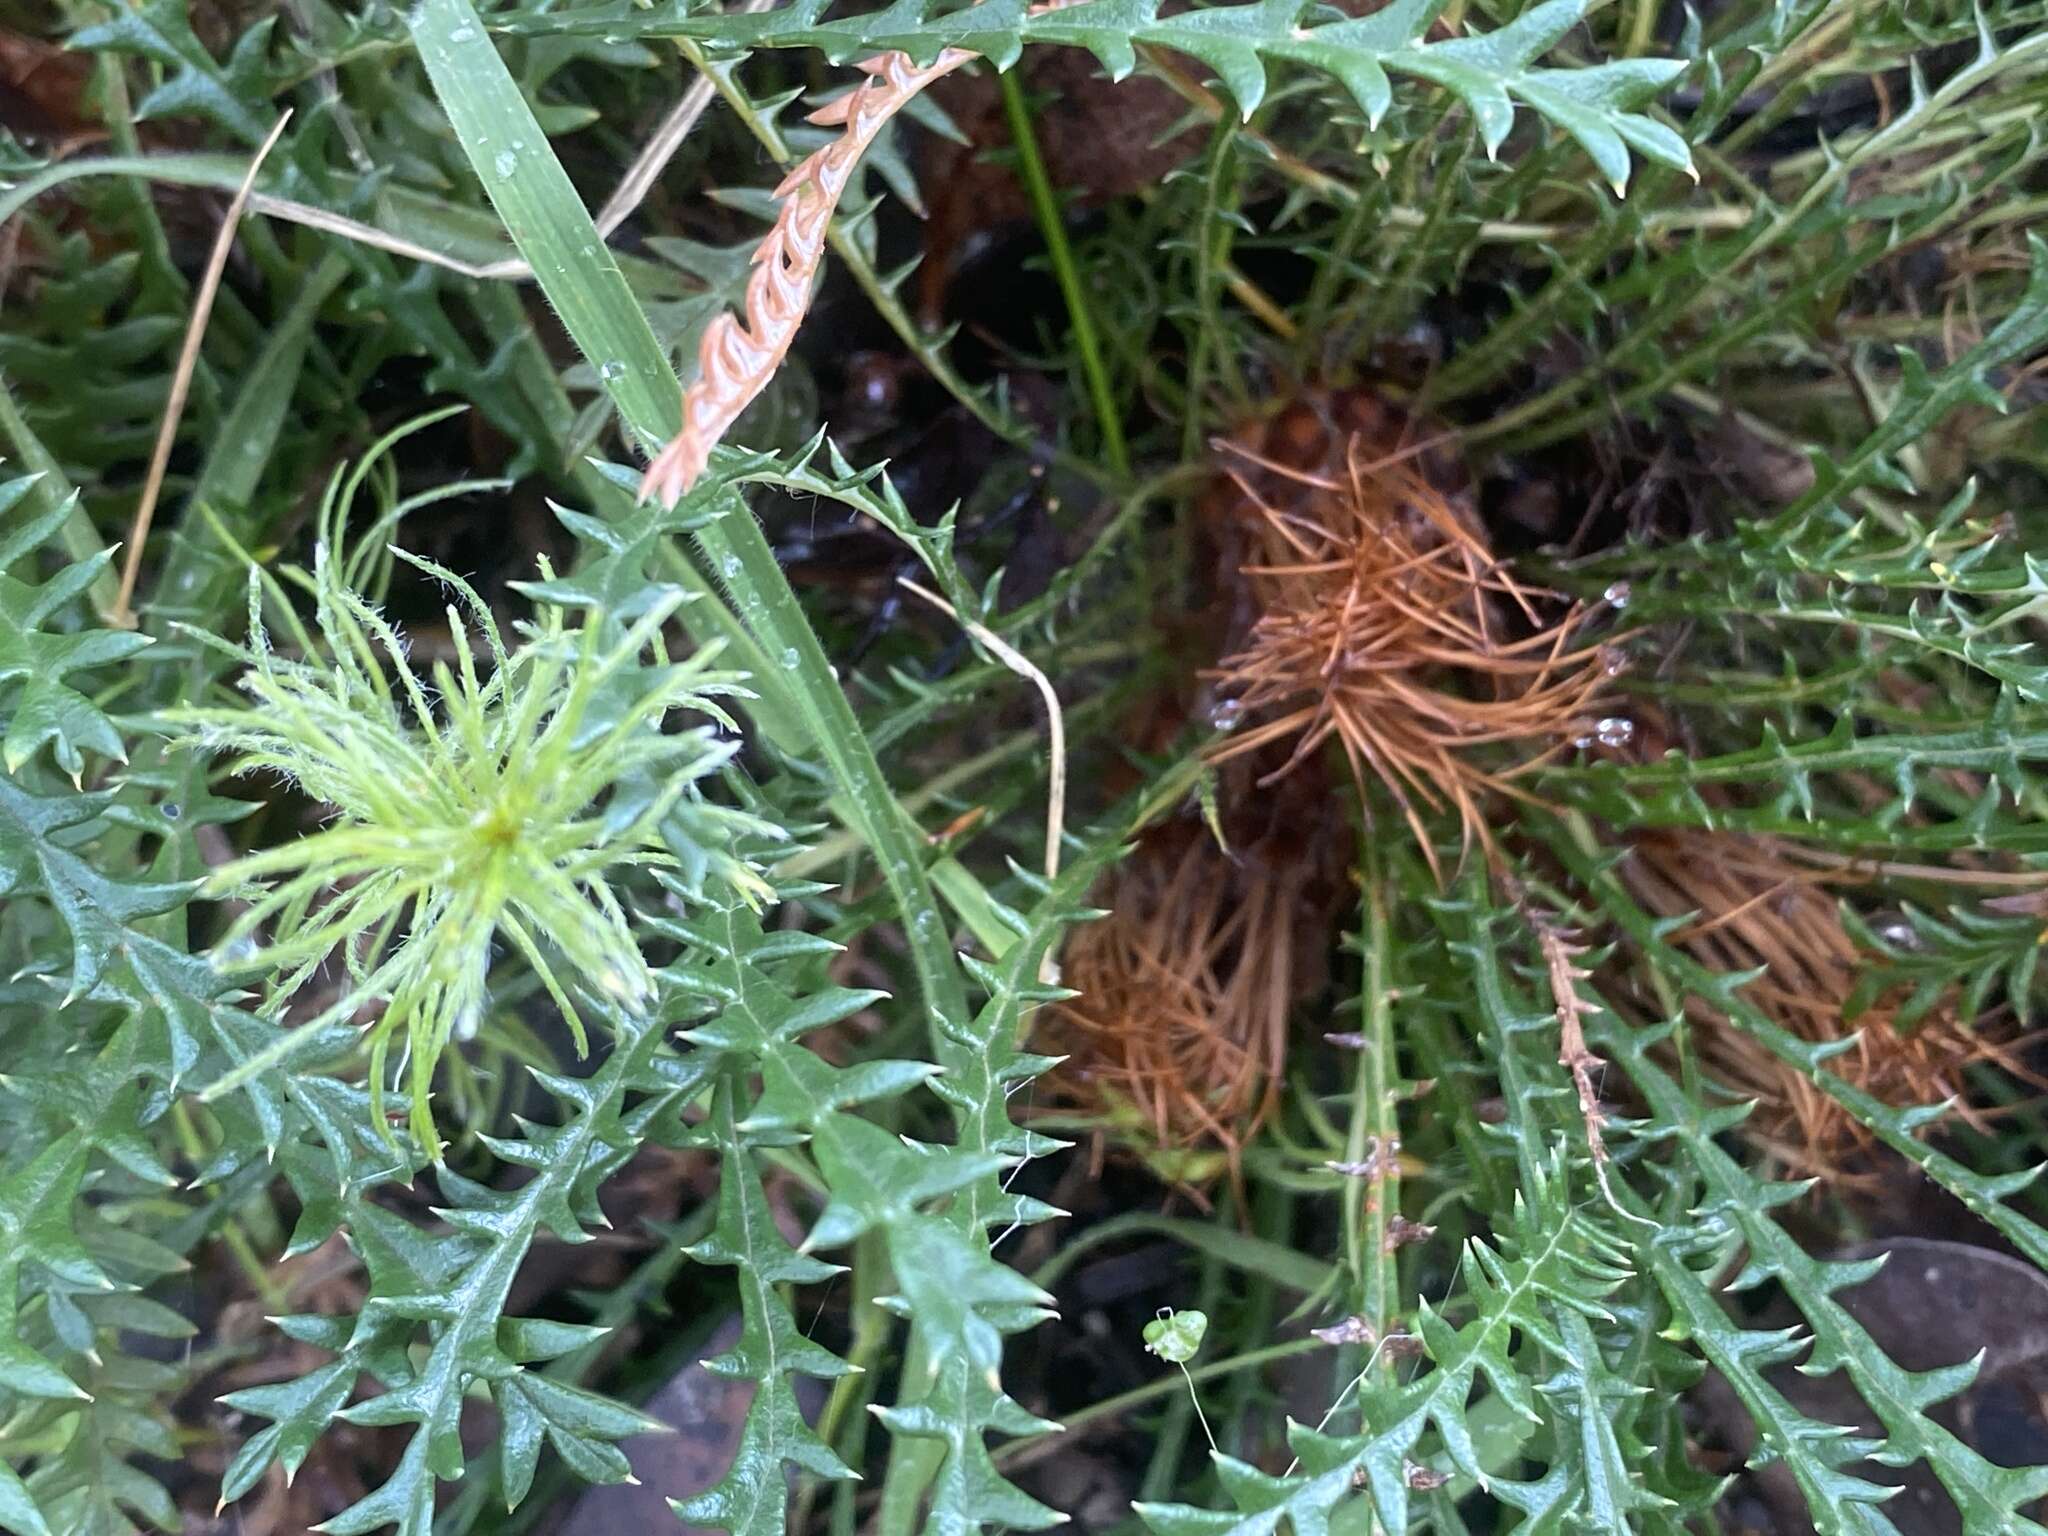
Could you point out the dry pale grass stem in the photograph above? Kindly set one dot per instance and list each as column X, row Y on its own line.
column 1561, row 954
column 123, row 615
column 1382, row 618
column 1759, row 908
column 1186, row 988
column 1562, row 951
column 738, row 356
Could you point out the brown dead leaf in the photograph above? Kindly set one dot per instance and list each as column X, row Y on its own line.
column 42, row 92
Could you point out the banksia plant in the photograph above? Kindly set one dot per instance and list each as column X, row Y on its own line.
column 1185, row 991
column 1750, row 905
column 1280, row 508
column 1384, row 621
column 486, row 807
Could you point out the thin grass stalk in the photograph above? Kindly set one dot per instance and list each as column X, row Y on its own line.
column 1045, row 208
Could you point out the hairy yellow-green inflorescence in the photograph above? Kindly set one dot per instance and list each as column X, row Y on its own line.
column 483, row 808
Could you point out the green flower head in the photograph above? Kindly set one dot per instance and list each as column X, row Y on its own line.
column 480, row 809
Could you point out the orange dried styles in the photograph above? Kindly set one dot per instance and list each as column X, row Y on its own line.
column 1359, row 600
column 1186, row 989
column 1755, row 907
column 1379, row 615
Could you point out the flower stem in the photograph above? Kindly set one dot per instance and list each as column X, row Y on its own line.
column 1045, row 206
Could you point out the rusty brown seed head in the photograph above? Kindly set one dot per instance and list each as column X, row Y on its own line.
column 1754, row 907
column 1384, row 620
column 1186, row 989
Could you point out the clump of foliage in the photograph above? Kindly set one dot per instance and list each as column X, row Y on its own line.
column 1713, row 335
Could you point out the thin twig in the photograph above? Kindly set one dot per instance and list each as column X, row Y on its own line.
column 1023, row 666
column 181, row 379
column 376, row 239
column 654, row 157
column 1855, row 867
column 634, row 186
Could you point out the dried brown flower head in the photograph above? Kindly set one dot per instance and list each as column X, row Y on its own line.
column 1758, row 907
column 1186, row 988
column 1381, row 617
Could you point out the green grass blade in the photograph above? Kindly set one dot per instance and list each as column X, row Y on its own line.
column 545, row 217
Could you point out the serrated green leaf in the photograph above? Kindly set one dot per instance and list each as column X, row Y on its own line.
column 1235, row 41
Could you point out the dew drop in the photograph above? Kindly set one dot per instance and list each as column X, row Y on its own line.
column 790, row 660
column 170, row 810
column 461, row 34
column 612, row 369
column 1617, row 595
column 1227, row 714
column 1615, row 731
column 506, row 163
